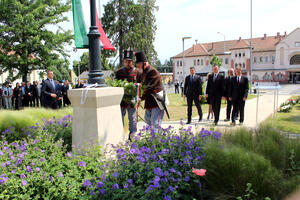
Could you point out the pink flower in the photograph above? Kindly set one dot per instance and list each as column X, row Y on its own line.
column 199, row 172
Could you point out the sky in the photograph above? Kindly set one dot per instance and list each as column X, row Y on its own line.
column 203, row 19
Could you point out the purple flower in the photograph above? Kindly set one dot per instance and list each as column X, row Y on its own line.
column 22, row 176
column 125, row 186
column 61, row 174
column 13, row 171
column 82, row 164
column 167, row 197
column 24, row 183
column 92, row 193
column 51, row 178
column 100, row 184
column 130, row 181
column 12, row 158
column 102, row 191
column 187, row 178
column 37, row 169
column 158, row 171
column 8, row 163
column 172, row 170
column 42, row 159
column 115, row 174
column 149, row 188
column 29, row 169
column 87, row 183
column 1, row 153
column 171, row 189
column 115, row 186
column 176, row 161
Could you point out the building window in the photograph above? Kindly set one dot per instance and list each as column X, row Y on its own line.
column 244, row 54
column 177, row 63
column 255, row 77
column 267, row 59
column 261, row 59
column 202, row 62
column 236, row 55
column 273, row 59
column 198, row 62
column 297, row 44
column 226, row 61
column 240, row 55
column 236, row 64
column 244, row 65
column 180, row 63
column 254, row 59
column 177, row 72
column 194, row 62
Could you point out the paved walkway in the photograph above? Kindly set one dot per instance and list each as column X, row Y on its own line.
column 265, row 110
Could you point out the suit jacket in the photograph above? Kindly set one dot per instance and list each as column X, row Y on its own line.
column 215, row 89
column 192, row 87
column 47, row 90
column 34, row 90
column 239, row 90
column 28, row 90
column 228, row 80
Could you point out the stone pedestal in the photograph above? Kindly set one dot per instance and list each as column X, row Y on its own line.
column 96, row 116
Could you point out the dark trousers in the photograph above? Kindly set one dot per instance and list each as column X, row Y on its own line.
column 190, row 105
column 59, row 103
column 36, row 101
column 229, row 108
column 182, row 91
column 238, row 107
column 66, row 100
column 176, row 90
column 216, row 106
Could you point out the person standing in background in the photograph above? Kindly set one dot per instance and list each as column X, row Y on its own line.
column 35, row 99
column 0, row 97
column 181, row 87
column 227, row 91
column 7, row 95
column 210, row 110
column 65, row 88
column 59, row 92
column 49, row 92
column 193, row 93
column 177, row 87
column 18, row 96
column 28, row 95
column 215, row 91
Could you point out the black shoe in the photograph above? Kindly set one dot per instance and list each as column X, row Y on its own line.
column 226, row 120
column 216, row 123
column 200, row 119
column 188, row 122
column 232, row 123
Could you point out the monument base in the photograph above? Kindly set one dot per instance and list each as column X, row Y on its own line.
column 96, row 116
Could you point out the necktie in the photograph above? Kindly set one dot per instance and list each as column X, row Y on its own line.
column 52, row 83
column 215, row 76
column 238, row 80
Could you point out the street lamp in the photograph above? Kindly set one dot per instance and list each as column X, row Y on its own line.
column 95, row 73
column 224, row 46
column 183, row 38
column 251, row 61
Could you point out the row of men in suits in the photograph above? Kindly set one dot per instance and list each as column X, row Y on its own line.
column 233, row 88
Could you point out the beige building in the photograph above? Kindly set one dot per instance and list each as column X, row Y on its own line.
column 275, row 58
column 33, row 76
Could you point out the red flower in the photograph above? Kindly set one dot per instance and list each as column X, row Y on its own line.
column 199, row 172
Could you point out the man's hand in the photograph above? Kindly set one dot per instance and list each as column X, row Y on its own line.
column 230, row 99
column 200, row 97
column 53, row 95
column 59, row 98
column 184, row 97
column 29, row 94
column 224, row 98
column 245, row 98
column 206, row 96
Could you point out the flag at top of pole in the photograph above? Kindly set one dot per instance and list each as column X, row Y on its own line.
column 82, row 23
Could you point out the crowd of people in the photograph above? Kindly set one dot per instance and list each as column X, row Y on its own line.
column 33, row 94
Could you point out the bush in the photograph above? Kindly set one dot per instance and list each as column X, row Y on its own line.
column 39, row 168
column 28, row 117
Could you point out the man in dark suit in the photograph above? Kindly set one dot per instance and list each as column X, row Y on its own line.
column 50, row 96
column 238, row 94
column 35, row 98
column 215, row 91
column 28, row 95
column 193, row 92
column 59, row 92
column 227, row 90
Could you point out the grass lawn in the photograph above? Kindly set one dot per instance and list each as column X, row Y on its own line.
column 289, row 122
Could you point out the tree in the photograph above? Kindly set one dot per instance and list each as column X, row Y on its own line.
column 131, row 25
column 27, row 39
column 83, row 63
column 215, row 61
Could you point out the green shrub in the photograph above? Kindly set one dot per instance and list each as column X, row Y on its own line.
column 231, row 168
column 28, row 117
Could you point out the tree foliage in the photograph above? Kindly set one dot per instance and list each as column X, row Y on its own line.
column 131, row 25
column 216, row 61
column 30, row 35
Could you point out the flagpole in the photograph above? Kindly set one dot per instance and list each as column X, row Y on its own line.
column 95, row 73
